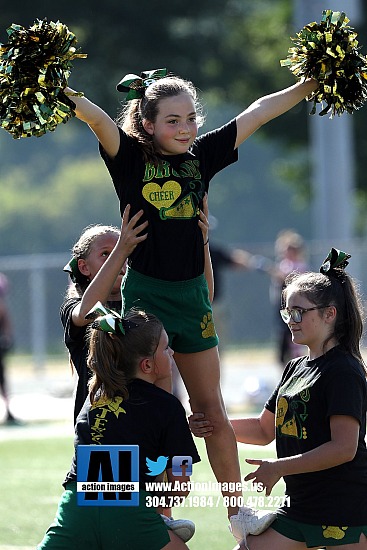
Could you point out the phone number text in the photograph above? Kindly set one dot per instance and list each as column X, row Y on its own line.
column 209, row 501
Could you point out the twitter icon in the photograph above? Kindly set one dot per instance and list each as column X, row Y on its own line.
column 156, row 467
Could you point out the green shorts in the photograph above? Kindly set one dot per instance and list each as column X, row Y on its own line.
column 183, row 307
column 317, row 535
column 104, row 527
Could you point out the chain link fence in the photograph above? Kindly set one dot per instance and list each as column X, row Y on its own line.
column 37, row 286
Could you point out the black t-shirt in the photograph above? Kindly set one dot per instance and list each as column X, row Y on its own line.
column 307, row 395
column 74, row 338
column 151, row 418
column 171, row 195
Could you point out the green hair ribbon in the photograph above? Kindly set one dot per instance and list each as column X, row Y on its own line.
column 108, row 320
column 73, row 270
column 335, row 259
column 136, row 85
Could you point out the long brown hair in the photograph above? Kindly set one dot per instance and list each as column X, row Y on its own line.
column 338, row 290
column 131, row 117
column 114, row 358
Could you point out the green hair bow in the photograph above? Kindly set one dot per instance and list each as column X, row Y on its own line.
column 136, row 85
column 73, row 270
column 108, row 320
column 335, row 259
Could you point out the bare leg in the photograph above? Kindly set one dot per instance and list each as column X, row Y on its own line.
column 361, row 545
column 274, row 540
column 175, row 544
column 201, row 375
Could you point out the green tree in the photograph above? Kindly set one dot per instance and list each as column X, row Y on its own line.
column 230, row 49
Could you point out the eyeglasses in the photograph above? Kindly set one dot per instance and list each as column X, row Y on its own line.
column 296, row 313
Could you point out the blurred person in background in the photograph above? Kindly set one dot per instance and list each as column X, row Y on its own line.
column 224, row 258
column 6, row 343
column 290, row 256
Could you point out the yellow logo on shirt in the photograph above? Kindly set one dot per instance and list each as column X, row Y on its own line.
column 162, row 197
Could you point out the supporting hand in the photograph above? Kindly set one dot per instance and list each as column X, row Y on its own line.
column 267, row 474
column 130, row 232
column 199, row 426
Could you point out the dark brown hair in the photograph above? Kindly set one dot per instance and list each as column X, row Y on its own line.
column 337, row 289
column 135, row 111
column 114, row 358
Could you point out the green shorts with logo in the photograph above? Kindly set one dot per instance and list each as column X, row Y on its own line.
column 183, row 307
column 317, row 535
column 104, row 527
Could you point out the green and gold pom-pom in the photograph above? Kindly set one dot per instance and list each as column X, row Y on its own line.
column 328, row 51
column 34, row 69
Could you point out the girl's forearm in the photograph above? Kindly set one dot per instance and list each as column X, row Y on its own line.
column 86, row 110
column 271, row 106
column 250, row 431
column 274, row 105
column 100, row 287
column 99, row 122
column 325, row 456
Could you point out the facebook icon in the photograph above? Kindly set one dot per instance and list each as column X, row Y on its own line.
column 182, row 466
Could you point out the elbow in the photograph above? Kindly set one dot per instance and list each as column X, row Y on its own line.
column 268, row 439
column 349, row 455
column 346, row 454
column 265, row 438
column 261, row 113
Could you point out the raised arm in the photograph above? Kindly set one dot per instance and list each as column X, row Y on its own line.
column 271, row 106
column 99, row 122
column 101, row 285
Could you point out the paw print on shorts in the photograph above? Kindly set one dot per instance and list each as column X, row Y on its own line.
column 334, row 532
column 207, row 326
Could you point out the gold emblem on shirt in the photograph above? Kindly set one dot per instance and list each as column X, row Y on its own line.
column 162, row 197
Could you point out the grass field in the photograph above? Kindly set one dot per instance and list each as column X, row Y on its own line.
column 32, row 471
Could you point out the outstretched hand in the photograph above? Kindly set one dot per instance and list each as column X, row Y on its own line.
column 199, row 426
column 130, row 232
column 267, row 474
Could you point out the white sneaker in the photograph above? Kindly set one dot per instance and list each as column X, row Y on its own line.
column 250, row 522
column 183, row 528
